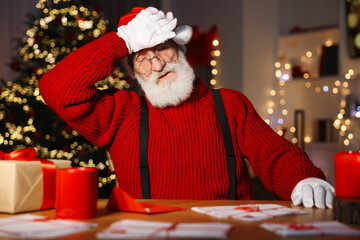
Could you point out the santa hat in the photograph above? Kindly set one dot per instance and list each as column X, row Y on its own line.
column 183, row 33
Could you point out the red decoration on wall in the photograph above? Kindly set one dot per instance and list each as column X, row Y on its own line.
column 198, row 50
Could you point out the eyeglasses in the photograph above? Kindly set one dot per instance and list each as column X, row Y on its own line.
column 164, row 53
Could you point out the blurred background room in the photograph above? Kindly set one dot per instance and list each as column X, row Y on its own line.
column 298, row 61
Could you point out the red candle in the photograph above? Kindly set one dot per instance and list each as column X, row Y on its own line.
column 347, row 174
column 76, row 192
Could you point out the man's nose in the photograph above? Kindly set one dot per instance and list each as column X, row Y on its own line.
column 157, row 63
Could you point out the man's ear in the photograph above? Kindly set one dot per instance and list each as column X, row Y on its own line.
column 128, row 68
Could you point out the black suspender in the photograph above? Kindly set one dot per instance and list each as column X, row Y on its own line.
column 143, row 149
column 229, row 149
column 143, row 146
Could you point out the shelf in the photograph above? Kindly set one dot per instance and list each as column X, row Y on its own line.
column 319, row 96
column 314, row 53
column 311, row 34
column 324, row 78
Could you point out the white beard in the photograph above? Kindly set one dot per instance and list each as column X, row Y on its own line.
column 172, row 91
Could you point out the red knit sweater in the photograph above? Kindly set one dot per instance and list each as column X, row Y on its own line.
column 186, row 151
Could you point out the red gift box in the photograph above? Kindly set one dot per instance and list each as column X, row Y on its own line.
column 27, row 183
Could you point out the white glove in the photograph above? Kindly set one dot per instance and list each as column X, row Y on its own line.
column 149, row 28
column 313, row 191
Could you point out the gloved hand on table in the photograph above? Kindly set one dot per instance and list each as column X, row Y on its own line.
column 313, row 192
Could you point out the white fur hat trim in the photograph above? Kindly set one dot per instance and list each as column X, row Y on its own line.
column 183, row 34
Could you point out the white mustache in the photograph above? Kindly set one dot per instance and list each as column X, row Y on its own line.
column 170, row 67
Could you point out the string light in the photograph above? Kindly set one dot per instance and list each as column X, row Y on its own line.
column 341, row 123
column 282, row 73
column 213, row 63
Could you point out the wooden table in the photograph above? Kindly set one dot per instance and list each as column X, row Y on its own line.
column 241, row 230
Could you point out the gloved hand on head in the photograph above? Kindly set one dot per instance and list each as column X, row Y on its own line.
column 147, row 27
column 313, row 192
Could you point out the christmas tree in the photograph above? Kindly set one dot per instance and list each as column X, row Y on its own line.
column 59, row 27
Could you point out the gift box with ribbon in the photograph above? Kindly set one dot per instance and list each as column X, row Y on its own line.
column 27, row 183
